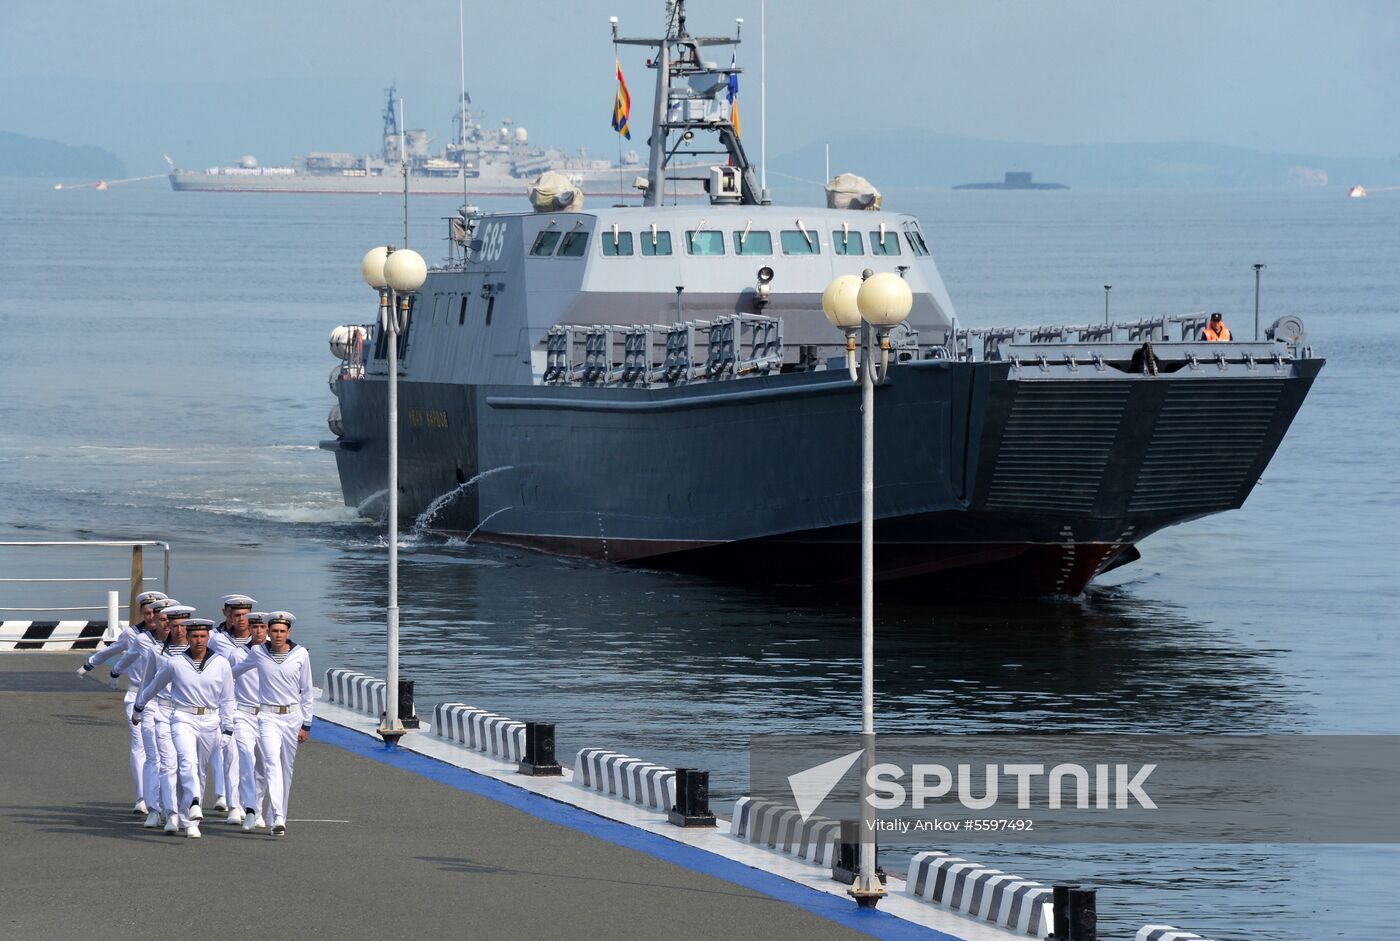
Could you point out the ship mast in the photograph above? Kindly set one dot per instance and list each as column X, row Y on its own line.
column 392, row 138
column 688, row 93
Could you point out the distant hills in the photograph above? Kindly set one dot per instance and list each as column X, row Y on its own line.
column 34, row 156
column 914, row 158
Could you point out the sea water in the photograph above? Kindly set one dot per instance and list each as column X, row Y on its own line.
column 165, row 377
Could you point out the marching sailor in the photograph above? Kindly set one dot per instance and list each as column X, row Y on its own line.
column 124, row 642
column 133, row 664
column 128, row 647
column 139, row 665
column 174, row 615
column 283, row 669
column 201, row 691
column 252, row 787
column 224, row 760
column 240, row 759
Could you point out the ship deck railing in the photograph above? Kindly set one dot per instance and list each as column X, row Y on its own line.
column 1176, row 337
column 727, row 347
column 744, row 345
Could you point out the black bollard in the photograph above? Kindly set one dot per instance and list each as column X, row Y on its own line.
column 539, row 750
column 1059, row 925
column 1083, row 914
column 846, row 867
column 407, row 714
column 692, row 807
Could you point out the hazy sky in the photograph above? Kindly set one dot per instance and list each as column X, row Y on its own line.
column 207, row 82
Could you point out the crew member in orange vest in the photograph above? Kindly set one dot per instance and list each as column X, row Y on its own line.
column 1216, row 331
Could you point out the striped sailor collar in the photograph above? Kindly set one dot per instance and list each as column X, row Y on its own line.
column 200, row 664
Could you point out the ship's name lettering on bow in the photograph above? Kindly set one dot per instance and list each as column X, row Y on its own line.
column 431, row 418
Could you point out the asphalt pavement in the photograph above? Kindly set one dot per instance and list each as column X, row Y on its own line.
column 372, row 851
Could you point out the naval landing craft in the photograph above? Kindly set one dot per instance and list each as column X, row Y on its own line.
column 657, row 385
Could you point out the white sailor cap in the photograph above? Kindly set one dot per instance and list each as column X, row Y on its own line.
column 238, row 601
column 198, row 624
column 257, row 617
column 160, row 604
column 281, row 617
column 146, row 597
column 177, row 611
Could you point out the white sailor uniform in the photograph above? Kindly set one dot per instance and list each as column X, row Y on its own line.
column 135, row 665
column 225, row 786
column 161, row 711
column 127, row 647
column 245, row 770
column 202, row 708
column 285, row 695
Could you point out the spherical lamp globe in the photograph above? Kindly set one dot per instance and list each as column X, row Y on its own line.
column 405, row 271
column 839, row 302
column 372, row 267
column 885, row 299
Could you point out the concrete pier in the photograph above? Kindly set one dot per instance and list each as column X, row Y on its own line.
column 371, row 851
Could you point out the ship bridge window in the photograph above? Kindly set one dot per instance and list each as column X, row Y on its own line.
column 847, row 243
column 573, row 245
column 656, row 243
column 753, row 242
column 619, row 243
column 799, row 242
column 462, row 311
column 884, row 243
column 916, row 242
column 704, row 241
column 545, row 243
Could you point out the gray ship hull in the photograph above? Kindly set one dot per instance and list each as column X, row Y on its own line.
column 1018, row 480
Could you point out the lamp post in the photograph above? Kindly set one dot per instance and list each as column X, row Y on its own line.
column 882, row 301
column 395, row 275
column 1257, row 268
column 1106, row 289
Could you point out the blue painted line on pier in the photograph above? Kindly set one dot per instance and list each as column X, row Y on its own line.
column 874, row 923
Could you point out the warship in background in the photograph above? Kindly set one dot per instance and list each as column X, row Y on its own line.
column 657, row 385
column 495, row 162
column 1015, row 180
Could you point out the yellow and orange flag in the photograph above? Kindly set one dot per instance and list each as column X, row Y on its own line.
column 622, row 105
column 733, row 94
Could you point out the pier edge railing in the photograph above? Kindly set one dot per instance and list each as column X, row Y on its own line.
column 135, row 582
